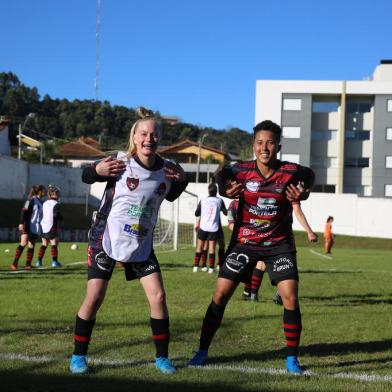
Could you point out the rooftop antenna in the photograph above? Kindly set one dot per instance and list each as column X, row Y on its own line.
column 97, row 55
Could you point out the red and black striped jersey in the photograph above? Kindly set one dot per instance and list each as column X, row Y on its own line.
column 264, row 217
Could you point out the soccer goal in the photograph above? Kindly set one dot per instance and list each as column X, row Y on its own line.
column 175, row 224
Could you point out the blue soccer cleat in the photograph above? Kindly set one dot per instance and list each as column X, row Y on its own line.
column 38, row 263
column 56, row 264
column 78, row 364
column 165, row 365
column 199, row 359
column 293, row 366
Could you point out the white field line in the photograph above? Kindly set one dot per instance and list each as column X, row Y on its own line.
column 320, row 254
column 230, row 368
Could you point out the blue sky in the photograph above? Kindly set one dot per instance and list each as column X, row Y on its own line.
column 196, row 59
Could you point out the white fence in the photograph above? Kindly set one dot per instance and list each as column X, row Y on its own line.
column 353, row 215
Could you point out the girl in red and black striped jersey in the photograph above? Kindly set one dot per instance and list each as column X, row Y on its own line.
column 137, row 182
column 29, row 225
column 266, row 188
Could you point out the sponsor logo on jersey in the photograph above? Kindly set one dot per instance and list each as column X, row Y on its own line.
column 136, row 230
column 137, row 211
column 104, row 262
column 259, row 222
column 236, row 262
column 282, row 264
column 161, row 189
column 252, row 186
column 265, row 206
column 132, row 183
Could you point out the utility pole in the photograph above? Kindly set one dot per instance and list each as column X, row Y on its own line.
column 97, row 48
column 198, row 156
column 20, row 142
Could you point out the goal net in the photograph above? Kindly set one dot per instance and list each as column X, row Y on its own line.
column 175, row 224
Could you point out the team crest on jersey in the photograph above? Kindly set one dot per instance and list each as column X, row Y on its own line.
column 161, row 189
column 252, row 186
column 132, row 183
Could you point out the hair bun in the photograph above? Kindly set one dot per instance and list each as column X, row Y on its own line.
column 144, row 113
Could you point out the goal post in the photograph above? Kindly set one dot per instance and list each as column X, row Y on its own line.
column 174, row 228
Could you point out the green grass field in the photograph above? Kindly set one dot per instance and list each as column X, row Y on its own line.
column 346, row 343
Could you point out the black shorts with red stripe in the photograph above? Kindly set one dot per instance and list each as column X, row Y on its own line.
column 101, row 266
column 241, row 261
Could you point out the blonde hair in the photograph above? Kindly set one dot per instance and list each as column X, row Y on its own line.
column 145, row 115
column 53, row 190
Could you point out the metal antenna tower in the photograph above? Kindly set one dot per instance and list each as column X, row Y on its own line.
column 98, row 44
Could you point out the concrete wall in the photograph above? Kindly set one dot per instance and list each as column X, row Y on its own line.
column 17, row 177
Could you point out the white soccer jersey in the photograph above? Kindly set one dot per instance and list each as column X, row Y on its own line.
column 210, row 213
column 138, row 195
column 47, row 219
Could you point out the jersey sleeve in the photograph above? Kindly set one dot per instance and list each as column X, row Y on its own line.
column 26, row 213
column 177, row 187
column 56, row 212
column 198, row 209
column 223, row 207
column 89, row 175
column 222, row 179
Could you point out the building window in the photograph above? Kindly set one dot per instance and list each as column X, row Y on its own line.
column 324, row 135
column 291, row 132
column 389, row 105
column 292, row 104
column 388, row 190
column 323, row 188
column 290, row 158
column 358, row 107
column 324, row 163
column 325, row 107
column 356, row 162
column 388, row 134
column 357, row 135
column 388, row 161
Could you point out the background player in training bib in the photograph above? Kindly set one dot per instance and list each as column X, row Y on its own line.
column 266, row 188
column 49, row 225
column 29, row 225
column 137, row 183
column 209, row 229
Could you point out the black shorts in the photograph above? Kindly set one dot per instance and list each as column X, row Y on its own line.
column 32, row 236
column 101, row 266
column 49, row 236
column 240, row 263
column 208, row 235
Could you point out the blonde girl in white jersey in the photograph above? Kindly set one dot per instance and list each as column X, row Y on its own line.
column 137, row 183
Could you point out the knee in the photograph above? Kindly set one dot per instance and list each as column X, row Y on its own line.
column 159, row 297
column 290, row 301
column 220, row 298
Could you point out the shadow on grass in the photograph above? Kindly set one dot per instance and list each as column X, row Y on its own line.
column 351, row 299
column 25, row 380
column 313, row 350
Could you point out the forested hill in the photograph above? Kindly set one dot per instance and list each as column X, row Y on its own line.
column 67, row 120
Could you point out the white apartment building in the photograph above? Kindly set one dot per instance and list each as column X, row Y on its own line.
column 341, row 129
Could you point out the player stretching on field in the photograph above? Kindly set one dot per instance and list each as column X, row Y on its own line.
column 29, row 225
column 137, row 183
column 208, row 210
column 263, row 231
column 49, row 225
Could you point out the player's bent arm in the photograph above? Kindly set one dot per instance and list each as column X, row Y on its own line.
column 176, row 189
column 89, row 175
